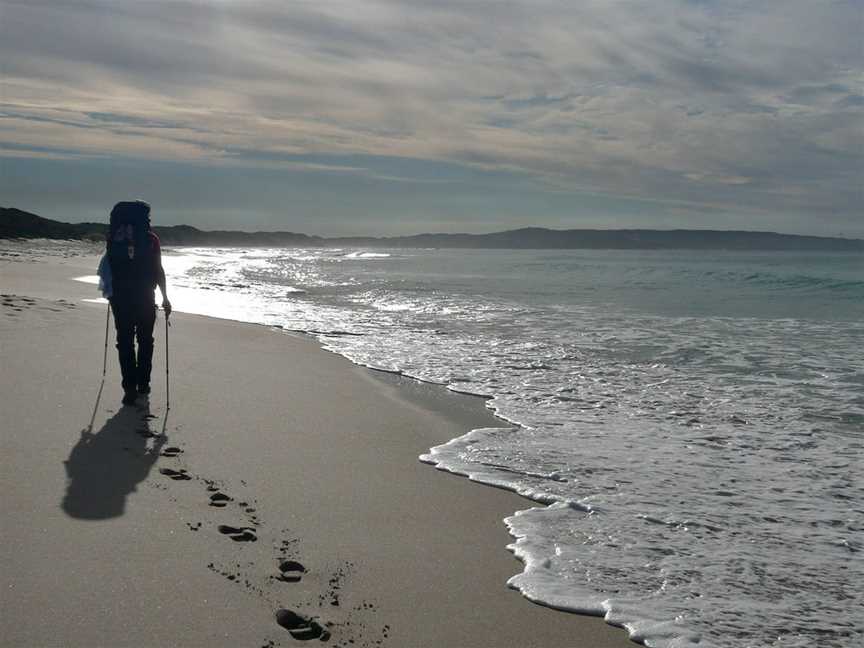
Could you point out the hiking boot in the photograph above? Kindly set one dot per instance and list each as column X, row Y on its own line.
column 143, row 389
column 129, row 398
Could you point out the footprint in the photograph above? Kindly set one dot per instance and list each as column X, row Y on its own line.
column 177, row 475
column 219, row 499
column 171, row 452
column 301, row 627
column 291, row 571
column 238, row 534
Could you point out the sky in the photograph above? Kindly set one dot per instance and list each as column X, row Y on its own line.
column 350, row 117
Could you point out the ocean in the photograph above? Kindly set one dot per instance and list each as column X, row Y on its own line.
column 688, row 425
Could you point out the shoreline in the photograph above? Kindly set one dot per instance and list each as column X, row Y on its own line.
column 387, row 551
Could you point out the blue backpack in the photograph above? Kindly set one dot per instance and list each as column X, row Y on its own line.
column 129, row 246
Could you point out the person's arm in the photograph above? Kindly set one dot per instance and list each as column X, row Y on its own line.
column 163, row 288
column 160, row 276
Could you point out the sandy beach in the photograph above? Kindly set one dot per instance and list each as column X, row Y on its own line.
column 282, row 478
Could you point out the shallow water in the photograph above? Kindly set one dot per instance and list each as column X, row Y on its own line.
column 691, row 424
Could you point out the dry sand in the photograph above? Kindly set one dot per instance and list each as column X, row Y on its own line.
column 318, row 456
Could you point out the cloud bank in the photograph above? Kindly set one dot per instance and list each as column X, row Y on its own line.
column 755, row 106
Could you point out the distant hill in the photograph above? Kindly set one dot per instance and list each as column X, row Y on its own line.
column 620, row 239
column 15, row 223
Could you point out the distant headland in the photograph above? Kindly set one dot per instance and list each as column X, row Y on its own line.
column 15, row 223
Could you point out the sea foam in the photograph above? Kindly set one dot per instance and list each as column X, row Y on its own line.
column 689, row 425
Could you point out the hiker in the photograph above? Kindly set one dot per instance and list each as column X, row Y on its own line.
column 129, row 274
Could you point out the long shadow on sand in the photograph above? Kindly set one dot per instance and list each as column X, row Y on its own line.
column 104, row 468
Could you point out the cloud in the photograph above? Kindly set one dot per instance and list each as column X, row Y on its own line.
column 715, row 102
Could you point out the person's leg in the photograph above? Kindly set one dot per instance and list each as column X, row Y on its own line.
column 146, row 318
column 124, row 323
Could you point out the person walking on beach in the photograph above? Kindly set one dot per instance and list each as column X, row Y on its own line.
column 130, row 272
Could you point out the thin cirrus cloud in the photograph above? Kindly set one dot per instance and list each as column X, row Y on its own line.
column 723, row 106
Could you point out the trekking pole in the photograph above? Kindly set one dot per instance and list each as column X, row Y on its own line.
column 167, row 381
column 105, row 356
column 89, row 428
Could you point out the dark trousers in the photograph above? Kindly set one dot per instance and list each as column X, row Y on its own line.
column 134, row 319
